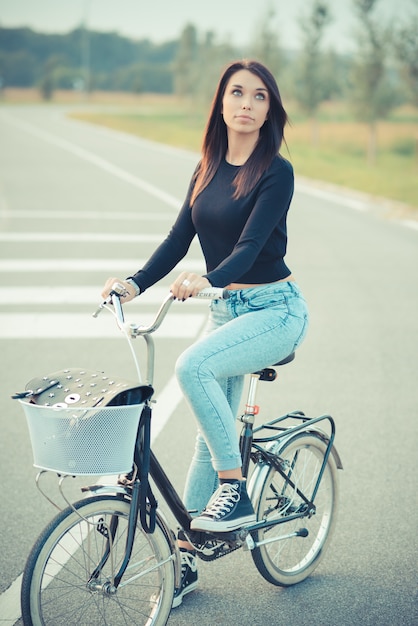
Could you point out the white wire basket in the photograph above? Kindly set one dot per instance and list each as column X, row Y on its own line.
column 83, row 441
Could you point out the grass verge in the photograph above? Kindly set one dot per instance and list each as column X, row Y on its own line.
column 339, row 156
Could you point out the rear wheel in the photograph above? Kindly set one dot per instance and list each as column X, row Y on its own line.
column 58, row 588
column 294, row 549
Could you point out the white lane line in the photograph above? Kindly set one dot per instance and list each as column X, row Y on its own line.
column 410, row 223
column 87, row 265
column 128, row 138
column 82, row 326
column 332, row 196
column 86, row 215
column 343, row 199
column 166, row 403
column 92, row 158
column 85, row 295
column 10, row 603
column 79, row 237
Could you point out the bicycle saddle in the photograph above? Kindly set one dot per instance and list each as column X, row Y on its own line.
column 287, row 359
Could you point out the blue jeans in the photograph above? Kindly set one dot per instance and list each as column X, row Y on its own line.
column 253, row 329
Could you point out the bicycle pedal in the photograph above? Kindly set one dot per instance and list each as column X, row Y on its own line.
column 232, row 537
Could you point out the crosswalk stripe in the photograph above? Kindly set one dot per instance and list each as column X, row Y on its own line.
column 82, row 295
column 86, row 215
column 84, row 326
column 79, row 237
column 87, row 265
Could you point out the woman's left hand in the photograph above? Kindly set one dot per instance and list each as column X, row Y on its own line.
column 188, row 284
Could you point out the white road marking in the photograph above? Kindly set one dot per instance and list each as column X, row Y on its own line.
column 410, row 223
column 128, row 138
column 100, row 216
column 166, row 403
column 86, row 295
column 344, row 199
column 332, row 196
column 82, row 326
column 87, row 265
column 92, row 158
column 10, row 603
column 51, row 237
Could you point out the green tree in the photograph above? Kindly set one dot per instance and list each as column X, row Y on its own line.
column 18, row 68
column 310, row 87
column 265, row 46
column 47, row 81
column 333, row 76
column 405, row 43
column 372, row 96
column 212, row 57
column 25, row 61
column 185, row 65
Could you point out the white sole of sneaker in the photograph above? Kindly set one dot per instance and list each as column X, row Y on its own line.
column 177, row 600
column 221, row 527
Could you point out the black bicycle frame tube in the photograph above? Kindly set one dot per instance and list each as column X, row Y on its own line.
column 245, row 443
column 114, row 523
column 113, row 526
column 169, row 494
column 306, row 426
column 175, row 503
column 133, row 519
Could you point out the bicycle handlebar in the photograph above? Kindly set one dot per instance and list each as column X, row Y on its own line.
column 118, row 291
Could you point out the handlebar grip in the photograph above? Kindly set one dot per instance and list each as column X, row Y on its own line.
column 117, row 290
column 213, row 293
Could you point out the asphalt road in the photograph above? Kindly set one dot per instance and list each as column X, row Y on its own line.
column 78, row 203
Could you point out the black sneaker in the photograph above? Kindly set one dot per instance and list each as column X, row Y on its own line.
column 188, row 576
column 228, row 509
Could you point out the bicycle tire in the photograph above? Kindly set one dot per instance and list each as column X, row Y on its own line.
column 56, row 590
column 288, row 561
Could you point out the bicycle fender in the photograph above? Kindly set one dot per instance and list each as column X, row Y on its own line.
column 256, row 482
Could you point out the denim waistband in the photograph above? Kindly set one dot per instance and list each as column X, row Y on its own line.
column 242, row 295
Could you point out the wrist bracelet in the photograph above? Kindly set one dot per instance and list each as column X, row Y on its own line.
column 131, row 281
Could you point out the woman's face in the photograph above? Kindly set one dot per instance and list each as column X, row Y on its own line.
column 246, row 102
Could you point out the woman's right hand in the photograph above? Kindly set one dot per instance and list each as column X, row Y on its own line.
column 108, row 288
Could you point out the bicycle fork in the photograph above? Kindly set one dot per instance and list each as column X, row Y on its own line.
column 109, row 532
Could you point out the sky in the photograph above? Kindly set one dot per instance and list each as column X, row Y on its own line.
column 162, row 20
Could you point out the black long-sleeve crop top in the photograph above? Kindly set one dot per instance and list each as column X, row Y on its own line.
column 243, row 241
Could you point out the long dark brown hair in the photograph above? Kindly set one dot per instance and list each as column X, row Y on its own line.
column 215, row 139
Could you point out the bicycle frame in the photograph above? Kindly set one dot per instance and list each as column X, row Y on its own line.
column 250, row 450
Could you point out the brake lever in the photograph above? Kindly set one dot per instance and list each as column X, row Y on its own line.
column 119, row 291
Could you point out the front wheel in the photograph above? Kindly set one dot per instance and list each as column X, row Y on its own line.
column 68, row 576
column 293, row 549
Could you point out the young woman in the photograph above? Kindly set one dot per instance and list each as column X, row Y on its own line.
column 237, row 205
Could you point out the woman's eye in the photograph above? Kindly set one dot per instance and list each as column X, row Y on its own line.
column 260, row 96
column 237, row 92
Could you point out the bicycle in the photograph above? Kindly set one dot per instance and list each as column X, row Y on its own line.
column 112, row 558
